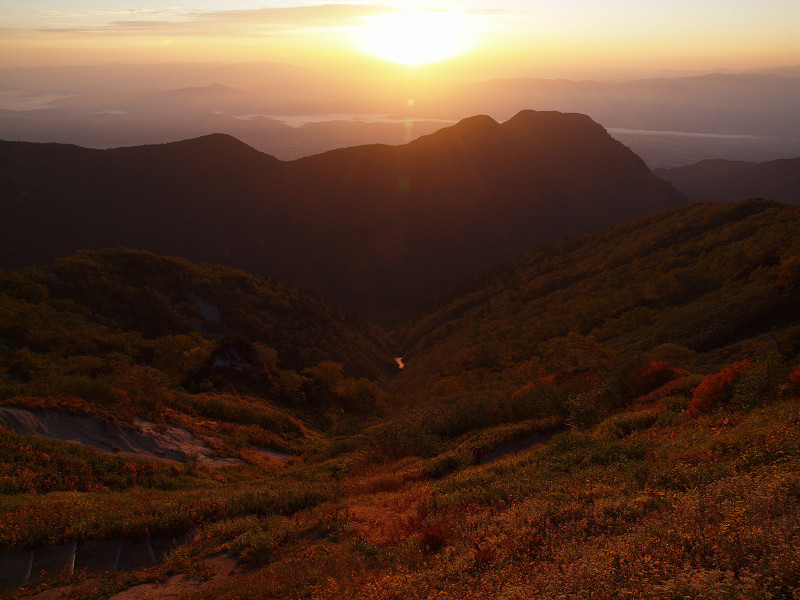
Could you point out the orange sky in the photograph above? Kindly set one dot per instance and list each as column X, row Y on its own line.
column 511, row 37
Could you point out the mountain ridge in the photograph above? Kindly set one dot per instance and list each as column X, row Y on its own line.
column 724, row 180
column 374, row 228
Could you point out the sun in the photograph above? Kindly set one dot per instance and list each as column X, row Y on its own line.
column 415, row 38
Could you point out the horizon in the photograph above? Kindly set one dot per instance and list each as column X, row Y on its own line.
column 301, row 78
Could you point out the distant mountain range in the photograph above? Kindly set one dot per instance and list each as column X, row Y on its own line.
column 375, row 228
column 291, row 112
column 725, row 180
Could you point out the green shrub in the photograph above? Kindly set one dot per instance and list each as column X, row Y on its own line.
column 762, row 383
column 623, row 424
column 587, row 408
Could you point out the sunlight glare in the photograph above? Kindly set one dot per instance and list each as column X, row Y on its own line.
column 415, row 38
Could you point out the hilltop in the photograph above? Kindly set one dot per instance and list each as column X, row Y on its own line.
column 376, row 229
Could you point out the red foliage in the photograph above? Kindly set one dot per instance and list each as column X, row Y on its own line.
column 717, row 388
column 529, row 388
column 793, row 380
column 433, row 538
column 484, row 554
column 649, row 377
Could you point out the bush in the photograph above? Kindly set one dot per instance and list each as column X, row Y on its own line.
column 716, row 388
column 587, row 408
column 649, row 377
column 539, row 398
column 793, row 380
column 433, row 538
column 761, row 384
column 623, row 424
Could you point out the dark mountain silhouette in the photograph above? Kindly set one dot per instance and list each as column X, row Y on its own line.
column 375, row 228
column 726, row 181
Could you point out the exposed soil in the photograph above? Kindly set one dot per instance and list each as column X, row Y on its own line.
column 221, row 568
column 142, row 439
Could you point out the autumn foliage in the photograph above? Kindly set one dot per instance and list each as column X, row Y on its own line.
column 649, row 377
column 716, row 388
column 793, row 380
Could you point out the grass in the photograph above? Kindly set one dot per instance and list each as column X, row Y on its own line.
column 649, row 503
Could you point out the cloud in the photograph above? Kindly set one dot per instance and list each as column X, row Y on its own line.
column 299, row 15
column 258, row 22
column 255, row 23
column 500, row 11
column 122, row 12
column 53, row 13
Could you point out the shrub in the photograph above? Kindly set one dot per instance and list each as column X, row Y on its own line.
column 623, row 424
column 761, row 384
column 538, row 398
column 587, row 408
column 793, row 380
column 433, row 538
column 649, row 377
column 717, row 388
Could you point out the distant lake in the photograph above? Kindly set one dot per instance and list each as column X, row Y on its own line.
column 616, row 130
column 666, row 149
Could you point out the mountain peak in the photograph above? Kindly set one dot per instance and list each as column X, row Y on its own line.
column 478, row 123
column 549, row 122
column 215, row 140
column 376, row 228
column 217, row 145
column 470, row 132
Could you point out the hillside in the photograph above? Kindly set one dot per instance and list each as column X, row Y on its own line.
column 129, row 335
column 634, row 394
column 695, row 284
column 726, row 181
column 375, row 228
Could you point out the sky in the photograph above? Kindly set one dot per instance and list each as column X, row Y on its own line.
column 482, row 37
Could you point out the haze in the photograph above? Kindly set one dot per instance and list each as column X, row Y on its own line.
column 293, row 78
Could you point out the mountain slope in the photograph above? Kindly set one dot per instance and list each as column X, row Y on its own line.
column 95, row 311
column 708, row 281
column 725, row 181
column 375, row 228
column 609, row 472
